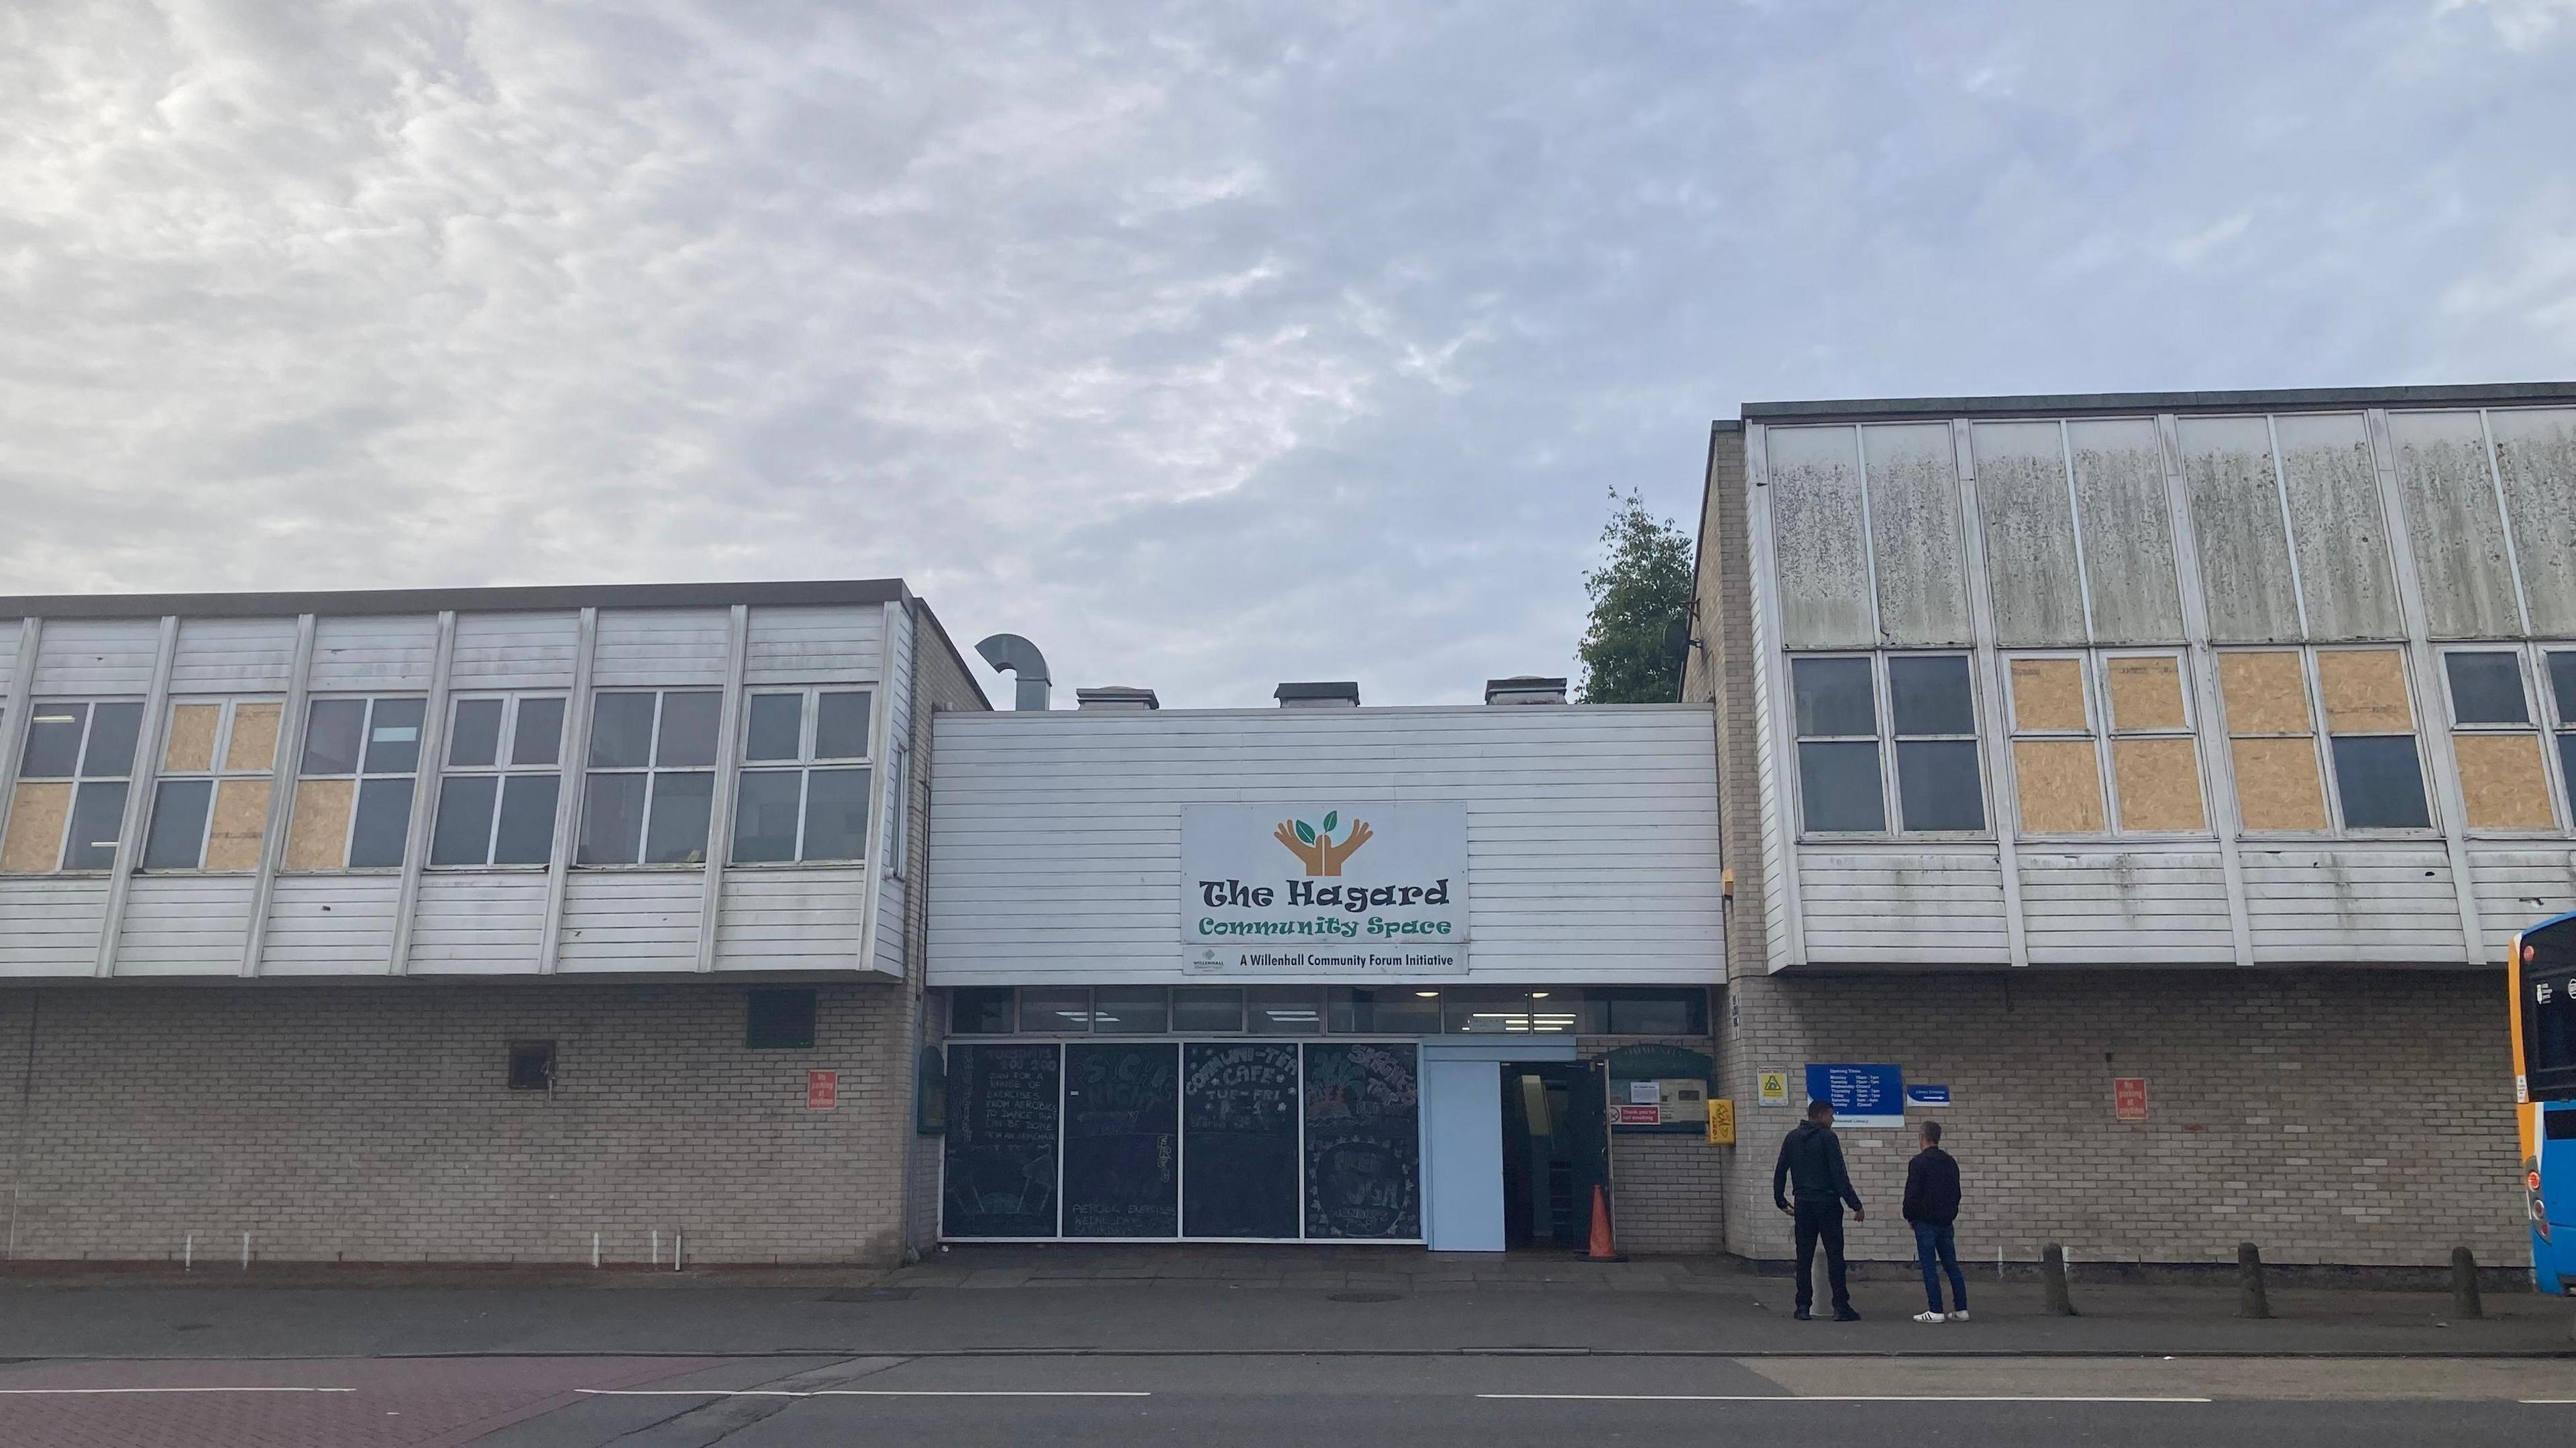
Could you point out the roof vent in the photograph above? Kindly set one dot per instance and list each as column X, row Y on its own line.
column 1525, row 689
column 1340, row 695
column 1012, row 654
column 1115, row 699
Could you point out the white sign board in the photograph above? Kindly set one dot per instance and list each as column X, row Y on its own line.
column 1324, row 887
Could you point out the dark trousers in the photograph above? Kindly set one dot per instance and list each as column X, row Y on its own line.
column 1937, row 1245
column 1821, row 1222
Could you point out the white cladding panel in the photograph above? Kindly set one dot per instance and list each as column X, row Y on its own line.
column 646, row 647
column 50, row 927
column 1591, row 832
column 890, row 816
column 89, row 658
column 10, row 631
column 372, row 652
column 815, row 645
column 2520, row 887
column 799, row 919
column 2383, row 905
column 514, row 651
column 331, row 925
column 620, row 920
column 479, row 922
column 2092, row 907
column 233, row 656
column 184, row 925
column 1910, row 907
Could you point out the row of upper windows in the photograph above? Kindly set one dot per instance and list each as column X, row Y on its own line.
column 2319, row 740
column 647, row 781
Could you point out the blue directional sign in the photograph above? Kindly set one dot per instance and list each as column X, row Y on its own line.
column 1867, row 1097
column 1928, row 1095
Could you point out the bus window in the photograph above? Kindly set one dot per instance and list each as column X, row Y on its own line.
column 2549, row 1017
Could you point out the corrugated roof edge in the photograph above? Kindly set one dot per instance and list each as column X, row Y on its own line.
column 2096, row 403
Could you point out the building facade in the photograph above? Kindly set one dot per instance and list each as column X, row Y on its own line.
column 2158, row 779
column 496, row 924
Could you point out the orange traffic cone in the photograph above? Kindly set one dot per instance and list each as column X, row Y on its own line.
column 1602, row 1249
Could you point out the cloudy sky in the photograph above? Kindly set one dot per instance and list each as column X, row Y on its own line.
column 1207, row 345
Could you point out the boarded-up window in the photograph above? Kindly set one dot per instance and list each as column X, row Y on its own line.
column 2155, row 766
column 2504, row 778
column 68, row 812
column 2272, row 740
column 353, row 799
column 2136, row 723
column 2057, row 766
column 210, row 807
column 2370, row 727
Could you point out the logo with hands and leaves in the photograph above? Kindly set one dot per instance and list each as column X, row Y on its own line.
column 1314, row 846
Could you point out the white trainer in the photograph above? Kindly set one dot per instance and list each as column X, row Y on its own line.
column 1929, row 1317
column 1959, row 1316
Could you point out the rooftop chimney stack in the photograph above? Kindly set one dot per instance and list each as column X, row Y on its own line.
column 1115, row 699
column 1344, row 694
column 1525, row 689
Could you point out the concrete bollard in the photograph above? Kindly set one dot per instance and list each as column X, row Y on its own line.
column 2250, row 1298
column 2052, row 1275
column 2465, row 1302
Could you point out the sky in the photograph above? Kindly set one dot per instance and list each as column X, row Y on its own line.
column 1207, row 345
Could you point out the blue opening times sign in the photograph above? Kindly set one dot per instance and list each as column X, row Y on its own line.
column 1866, row 1097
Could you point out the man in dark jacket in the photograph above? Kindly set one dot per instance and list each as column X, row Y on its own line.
column 1932, row 1206
column 1811, row 1169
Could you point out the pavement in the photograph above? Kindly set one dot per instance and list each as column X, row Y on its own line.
column 1249, row 1345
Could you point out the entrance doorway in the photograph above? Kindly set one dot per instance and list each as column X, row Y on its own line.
column 1556, row 1148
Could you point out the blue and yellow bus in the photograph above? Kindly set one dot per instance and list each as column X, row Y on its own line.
column 2542, row 971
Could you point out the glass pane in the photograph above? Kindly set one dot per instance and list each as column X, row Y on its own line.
column 1555, row 1012
column 676, row 834
column 474, row 737
column 1130, row 1010
column 393, row 736
column 621, row 730
column 331, row 730
column 113, row 729
column 539, row 736
column 612, row 819
column 53, row 741
column 1659, row 1013
column 776, row 728
column 527, row 835
column 384, row 820
column 764, row 816
column 1283, row 1010
column 688, row 729
column 2486, row 688
column 1387, row 1011
column 462, row 834
column 1197, row 1008
column 1930, row 696
column 983, row 1010
column 836, row 814
column 2380, row 782
column 2562, row 682
column 1838, row 787
column 1053, row 1009
column 1936, row 784
column 178, row 824
column 841, row 726
column 1834, row 697
column 1485, row 1010
column 98, row 817
column 2567, row 766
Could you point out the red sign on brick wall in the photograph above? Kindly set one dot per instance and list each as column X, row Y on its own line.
column 2129, row 1098
column 822, row 1090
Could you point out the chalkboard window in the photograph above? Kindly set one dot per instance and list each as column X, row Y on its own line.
column 1239, row 1108
column 779, row 1019
column 1004, row 1105
column 1198, row 1009
column 1130, row 1010
column 1122, row 1139
column 1055, row 1009
column 983, row 1010
column 1292, row 1010
column 1363, row 1158
column 1382, row 1011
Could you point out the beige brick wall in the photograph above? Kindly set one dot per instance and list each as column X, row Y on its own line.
column 1671, row 1195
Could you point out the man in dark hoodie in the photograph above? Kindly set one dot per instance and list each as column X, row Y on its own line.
column 1811, row 1169
column 1932, row 1207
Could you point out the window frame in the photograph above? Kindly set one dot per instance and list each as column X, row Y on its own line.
column 2557, row 723
column 2109, row 734
column 2543, row 717
column 501, row 770
column 358, row 778
column 216, row 776
column 1891, row 803
column 2332, row 774
column 714, row 770
column 804, row 766
column 80, row 775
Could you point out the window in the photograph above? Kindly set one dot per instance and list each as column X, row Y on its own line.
column 1845, row 748
column 779, row 1018
column 1382, row 1010
column 2562, row 689
column 1642, row 1012
column 651, row 778
column 2504, row 778
column 1055, row 1009
column 73, row 773
column 1283, row 1010
column 218, row 769
column 503, row 776
column 2081, row 719
column 2274, row 697
column 983, row 1010
column 354, row 785
column 2379, row 781
column 803, row 794
column 532, row 1065
column 1131, row 1010
column 1213, row 1009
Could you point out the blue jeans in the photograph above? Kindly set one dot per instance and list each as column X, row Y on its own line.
column 1935, row 1243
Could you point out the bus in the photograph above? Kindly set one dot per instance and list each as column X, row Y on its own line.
column 2541, row 971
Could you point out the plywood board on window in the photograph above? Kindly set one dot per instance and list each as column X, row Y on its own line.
column 2503, row 782
column 2365, row 691
column 35, row 841
column 2159, row 784
column 254, row 741
column 2266, row 693
column 2146, row 693
column 2059, row 786
column 2048, row 695
column 240, row 825
column 318, row 836
column 2277, row 787
column 192, row 738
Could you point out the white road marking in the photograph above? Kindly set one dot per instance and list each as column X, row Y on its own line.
column 85, row 1392
column 1819, row 1398
column 843, row 1393
column 2545, row 1402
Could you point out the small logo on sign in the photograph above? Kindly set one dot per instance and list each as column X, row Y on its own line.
column 1314, row 847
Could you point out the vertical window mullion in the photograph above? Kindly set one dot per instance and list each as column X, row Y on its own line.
column 2321, row 734
column 652, row 753
column 1891, row 798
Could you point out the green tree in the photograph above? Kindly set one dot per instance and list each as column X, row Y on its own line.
column 1635, row 645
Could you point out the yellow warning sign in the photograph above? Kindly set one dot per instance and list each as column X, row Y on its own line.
column 1721, row 1121
column 1775, row 1088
